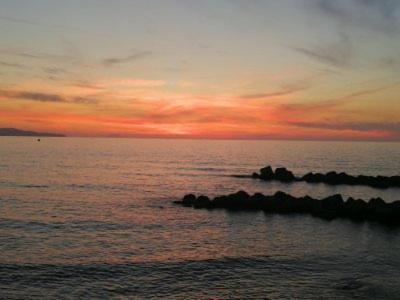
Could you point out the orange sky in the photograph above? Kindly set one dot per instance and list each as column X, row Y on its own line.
column 202, row 71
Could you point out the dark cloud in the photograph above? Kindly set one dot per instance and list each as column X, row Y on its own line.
column 34, row 96
column 45, row 97
column 119, row 60
column 336, row 54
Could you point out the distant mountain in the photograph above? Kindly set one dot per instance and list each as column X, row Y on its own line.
column 17, row 132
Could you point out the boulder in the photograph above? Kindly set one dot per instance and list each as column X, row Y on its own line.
column 238, row 200
column 282, row 174
column 188, row 200
column 377, row 207
column 333, row 203
column 255, row 175
column 330, row 207
column 355, row 208
column 202, row 202
column 267, row 173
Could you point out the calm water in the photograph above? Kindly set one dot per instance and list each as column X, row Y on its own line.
column 92, row 218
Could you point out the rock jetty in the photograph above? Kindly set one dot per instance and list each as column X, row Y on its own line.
column 331, row 178
column 328, row 208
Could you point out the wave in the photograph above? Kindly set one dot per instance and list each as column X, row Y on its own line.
column 233, row 278
column 78, row 225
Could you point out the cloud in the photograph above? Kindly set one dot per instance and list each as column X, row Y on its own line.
column 12, row 65
column 124, row 59
column 45, row 97
column 130, row 82
column 55, row 58
column 87, row 85
column 53, row 70
column 331, row 107
column 337, row 54
column 380, row 15
column 50, row 27
column 84, row 100
column 393, row 128
column 34, row 96
column 285, row 90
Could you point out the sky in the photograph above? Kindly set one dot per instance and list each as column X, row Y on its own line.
column 224, row 69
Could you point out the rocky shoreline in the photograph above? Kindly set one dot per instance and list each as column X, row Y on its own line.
column 328, row 208
column 331, row 178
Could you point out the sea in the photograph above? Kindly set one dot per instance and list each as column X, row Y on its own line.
column 93, row 218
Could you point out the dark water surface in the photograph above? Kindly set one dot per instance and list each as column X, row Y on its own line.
column 92, row 218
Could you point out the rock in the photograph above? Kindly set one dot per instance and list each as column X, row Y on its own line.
column 355, row 208
column 238, row 200
column 282, row 174
column 332, row 178
column 256, row 200
column 202, row 202
column 333, row 203
column 309, row 177
column 266, row 173
column 188, row 200
column 255, row 175
column 313, row 178
column 377, row 208
column 330, row 207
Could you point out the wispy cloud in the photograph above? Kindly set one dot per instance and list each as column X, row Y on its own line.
column 125, row 59
column 47, row 26
column 54, row 70
column 286, row 89
column 45, row 97
column 381, row 15
column 12, row 65
column 323, row 106
column 393, row 128
column 336, row 54
column 33, row 96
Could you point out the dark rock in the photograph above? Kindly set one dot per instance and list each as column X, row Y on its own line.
column 256, row 200
column 328, row 208
column 188, row 200
column 238, row 200
column 266, row 173
column 202, row 202
column 282, row 174
column 332, row 178
column 377, row 208
column 355, row 208
column 309, row 177
column 255, row 175
column 333, row 203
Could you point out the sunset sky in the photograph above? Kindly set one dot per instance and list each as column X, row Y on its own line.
column 300, row 69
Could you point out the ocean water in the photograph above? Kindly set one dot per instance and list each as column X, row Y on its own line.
column 93, row 218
